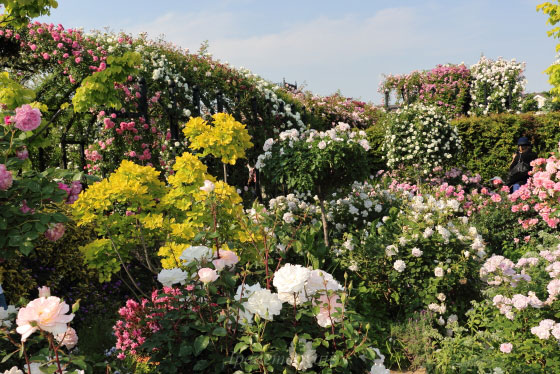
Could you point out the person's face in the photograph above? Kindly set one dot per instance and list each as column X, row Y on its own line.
column 524, row 148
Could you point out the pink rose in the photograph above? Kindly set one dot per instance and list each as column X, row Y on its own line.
column 45, row 313
column 506, row 347
column 22, row 154
column 6, row 179
column 27, row 118
column 69, row 338
column 227, row 258
column 328, row 307
column 44, row 291
column 55, row 232
column 207, row 275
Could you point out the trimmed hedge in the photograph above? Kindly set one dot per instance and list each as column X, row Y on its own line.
column 489, row 142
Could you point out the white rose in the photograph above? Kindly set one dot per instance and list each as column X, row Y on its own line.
column 291, row 278
column 208, row 186
column 305, row 360
column 169, row 277
column 264, row 303
column 198, row 253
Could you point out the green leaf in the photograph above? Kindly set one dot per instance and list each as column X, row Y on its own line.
column 200, row 344
column 201, row 365
column 219, row 331
column 7, row 357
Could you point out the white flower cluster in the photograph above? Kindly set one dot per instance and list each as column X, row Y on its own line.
column 341, row 133
column 420, row 135
column 360, row 206
column 497, row 86
column 292, row 117
column 295, row 284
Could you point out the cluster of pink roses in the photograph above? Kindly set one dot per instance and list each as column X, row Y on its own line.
column 72, row 190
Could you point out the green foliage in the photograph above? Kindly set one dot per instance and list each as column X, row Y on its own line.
column 19, row 12
column 13, row 94
column 553, row 71
column 489, row 142
column 320, row 162
column 98, row 89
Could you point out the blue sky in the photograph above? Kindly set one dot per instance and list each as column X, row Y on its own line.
column 334, row 45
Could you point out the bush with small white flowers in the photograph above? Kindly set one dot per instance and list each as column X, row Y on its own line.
column 421, row 137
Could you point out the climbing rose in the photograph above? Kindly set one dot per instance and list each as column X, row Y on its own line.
column 55, row 232
column 5, row 178
column 45, row 313
column 27, row 118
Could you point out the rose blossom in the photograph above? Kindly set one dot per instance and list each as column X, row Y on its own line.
column 227, row 259
column 27, row 118
column 291, row 278
column 44, row 291
column 45, row 313
column 68, row 338
column 207, row 275
column 302, row 361
column 328, row 307
column 264, row 303
column 13, row 370
column 416, row 252
column 399, row 266
column 320, row 280
column 438, row 272
column 55, row 232
column 6, row 179
column 506, row 347
column 208, row 186
column 198, row 253
column 169, row 277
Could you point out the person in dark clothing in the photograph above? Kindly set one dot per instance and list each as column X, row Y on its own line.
column 521, row 164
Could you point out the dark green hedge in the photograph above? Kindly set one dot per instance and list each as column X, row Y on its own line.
column 489, row 142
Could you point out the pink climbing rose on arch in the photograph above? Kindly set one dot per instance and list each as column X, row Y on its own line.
column 27, row 118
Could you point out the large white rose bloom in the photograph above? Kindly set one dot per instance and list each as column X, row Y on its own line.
column 198, row 253
column 291, row 278
column 302, row 361
column 168, row 277
column 245, row 291
column 264, row 303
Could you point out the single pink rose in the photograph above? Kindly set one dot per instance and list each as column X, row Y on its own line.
column 227, row 259
column 27, row 118
column 69, row 338
column 506, row 347
column 45, row 313
column 6, row 178
column 44, row 291
column 55, row 232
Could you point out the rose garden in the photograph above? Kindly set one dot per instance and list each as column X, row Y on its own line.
column 164, row 212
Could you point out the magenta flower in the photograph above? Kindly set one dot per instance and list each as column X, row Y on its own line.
column 27, row 118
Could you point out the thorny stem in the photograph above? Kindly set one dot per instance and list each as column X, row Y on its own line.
column 214, row 217
column 125, row 268
column 148, row 262
column 55, row 349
